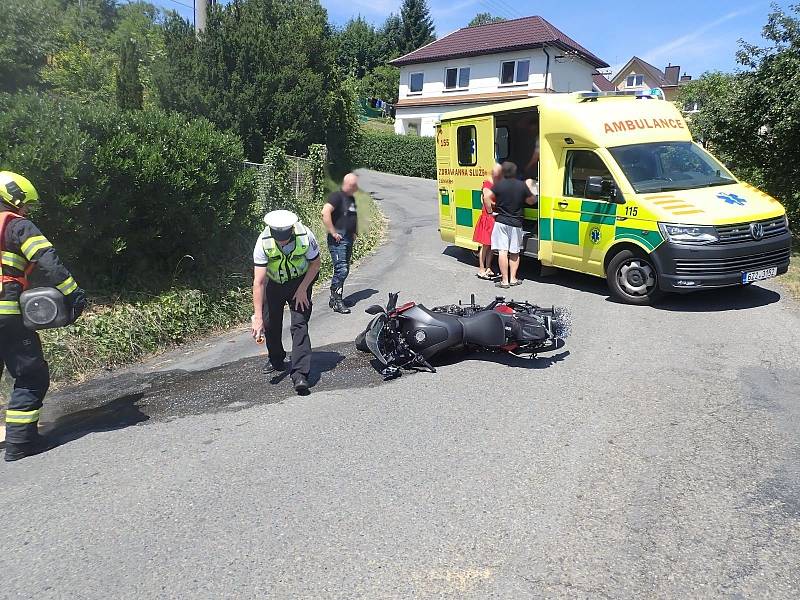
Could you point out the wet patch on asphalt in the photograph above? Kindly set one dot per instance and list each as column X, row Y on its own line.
column 131, row 399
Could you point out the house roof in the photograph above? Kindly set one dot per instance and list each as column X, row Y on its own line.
column 602, row 83
column 654, row 72
column 492, row 38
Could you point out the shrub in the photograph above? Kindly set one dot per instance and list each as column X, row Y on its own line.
column 126, row 194
column 413, row 156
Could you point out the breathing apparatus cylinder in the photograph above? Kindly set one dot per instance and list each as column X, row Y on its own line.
column 44, row 308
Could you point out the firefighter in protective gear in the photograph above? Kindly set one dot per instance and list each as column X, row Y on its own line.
column 23, row 248
column 286, row 260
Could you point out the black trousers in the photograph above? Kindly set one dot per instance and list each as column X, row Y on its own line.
column 277, row 296
column 21, row 352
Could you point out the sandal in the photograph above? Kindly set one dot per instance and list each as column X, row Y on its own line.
column 517, row 282
column 485, row 277
column 500, row 284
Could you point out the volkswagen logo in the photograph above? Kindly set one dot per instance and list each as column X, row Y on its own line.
column 757, row 230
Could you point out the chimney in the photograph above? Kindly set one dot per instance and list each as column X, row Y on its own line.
column 685, row 78
column 671, row 74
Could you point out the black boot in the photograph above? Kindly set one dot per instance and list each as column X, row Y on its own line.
column 301, row 385
column 17, row 451
column 336, row 302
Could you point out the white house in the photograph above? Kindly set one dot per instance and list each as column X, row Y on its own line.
column 488, row 63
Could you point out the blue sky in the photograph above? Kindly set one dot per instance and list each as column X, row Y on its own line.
column 699, row 35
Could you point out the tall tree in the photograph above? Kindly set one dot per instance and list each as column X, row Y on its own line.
column 750, row 119
column 484, row 18
column 418, row 27
column 129, row 86
column 263, row 68
column 25, row 41
column 358, row 47
column 382, row 82
column 391, row 35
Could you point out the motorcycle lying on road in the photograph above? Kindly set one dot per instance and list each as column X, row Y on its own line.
column 409, row 336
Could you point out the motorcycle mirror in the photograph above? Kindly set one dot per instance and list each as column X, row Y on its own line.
column 392, row 301
column 374, row 310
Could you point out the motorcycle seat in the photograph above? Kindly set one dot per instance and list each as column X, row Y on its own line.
column 484, row 329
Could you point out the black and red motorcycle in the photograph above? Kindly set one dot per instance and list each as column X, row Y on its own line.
column 409, row 336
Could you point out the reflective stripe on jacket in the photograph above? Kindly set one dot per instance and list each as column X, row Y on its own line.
column 23, row 247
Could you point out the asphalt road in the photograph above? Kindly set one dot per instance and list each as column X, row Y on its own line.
column 657, row 455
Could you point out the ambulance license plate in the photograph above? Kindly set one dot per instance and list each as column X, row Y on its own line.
column 749, row 276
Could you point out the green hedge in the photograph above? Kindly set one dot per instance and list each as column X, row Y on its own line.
column 126, row 194
column 413, row 156
column 122, row 332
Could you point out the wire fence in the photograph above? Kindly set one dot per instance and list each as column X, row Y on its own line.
column 289, row 182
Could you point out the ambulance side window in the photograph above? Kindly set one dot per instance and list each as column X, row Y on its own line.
column 467, row 140
column 501, row 144
column 582, row 164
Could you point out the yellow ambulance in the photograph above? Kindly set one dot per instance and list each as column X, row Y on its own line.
column 625, row 193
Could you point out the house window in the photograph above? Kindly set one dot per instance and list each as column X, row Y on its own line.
column 515, row 71
column 467, row 139
column 456, row 78
column 634, row 80
column 415, row 81
column 501, row 146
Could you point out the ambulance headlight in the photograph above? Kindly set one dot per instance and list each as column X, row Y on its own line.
column 689, row 234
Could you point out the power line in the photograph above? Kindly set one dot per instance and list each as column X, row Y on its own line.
column 499, row 11
column 181, row 4
column 510, row 8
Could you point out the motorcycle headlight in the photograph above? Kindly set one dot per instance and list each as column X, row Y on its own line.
column 689, row 234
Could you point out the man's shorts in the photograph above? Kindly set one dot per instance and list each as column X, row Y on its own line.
column 506, row 237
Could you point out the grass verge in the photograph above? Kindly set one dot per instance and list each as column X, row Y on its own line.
column 382, row 125
column 791, row 281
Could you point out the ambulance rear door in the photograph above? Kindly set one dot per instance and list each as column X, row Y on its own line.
column 472, row 159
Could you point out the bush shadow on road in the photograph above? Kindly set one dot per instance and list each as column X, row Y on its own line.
column 719, row 300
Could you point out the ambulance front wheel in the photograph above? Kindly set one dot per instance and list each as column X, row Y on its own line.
column 632, row 278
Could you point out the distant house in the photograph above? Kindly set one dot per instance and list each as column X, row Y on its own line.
column 600, row 83
column 638, row 74
column 488, row 63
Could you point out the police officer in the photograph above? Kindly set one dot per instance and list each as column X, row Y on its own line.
column 286, row 260
column 23, row 248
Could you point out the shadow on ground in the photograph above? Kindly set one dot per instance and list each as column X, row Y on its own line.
column 724, row 299
column 359, row 296
column 541, row 361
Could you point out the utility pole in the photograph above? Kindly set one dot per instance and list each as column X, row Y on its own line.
column 200, row 10
column 200, row 7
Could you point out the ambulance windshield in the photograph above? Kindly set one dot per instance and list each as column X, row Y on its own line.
column 669, row 166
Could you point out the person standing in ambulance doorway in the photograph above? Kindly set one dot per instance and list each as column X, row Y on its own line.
column 286, row 260
column 23, row 248
column 340, row 217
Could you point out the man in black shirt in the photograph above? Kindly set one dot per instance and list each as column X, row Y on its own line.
column 340, row 217
column 511, row 196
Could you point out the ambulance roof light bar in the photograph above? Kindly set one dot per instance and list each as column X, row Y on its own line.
column 654, row 94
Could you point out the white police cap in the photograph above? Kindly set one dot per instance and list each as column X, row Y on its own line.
column 281, row 223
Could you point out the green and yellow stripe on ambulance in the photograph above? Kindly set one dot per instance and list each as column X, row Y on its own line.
column 581, row 232
column 468, row 205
